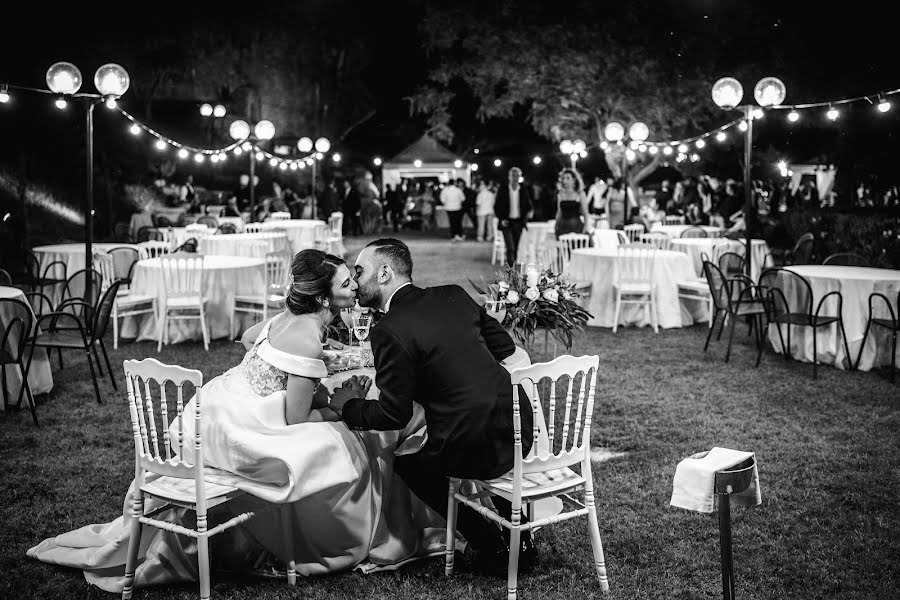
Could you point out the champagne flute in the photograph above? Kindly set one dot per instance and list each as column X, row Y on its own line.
column 361, row 322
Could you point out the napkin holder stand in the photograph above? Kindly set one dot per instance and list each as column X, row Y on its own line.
column 732, row 481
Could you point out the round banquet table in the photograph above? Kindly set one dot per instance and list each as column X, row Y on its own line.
column 598, row 265
column 223, row 276
column 533, row 239
column 39, row 376
column 675, row 231
column 855, row 284
column 301, row 233
column 238, row 222
column 73, row 257
column 693, row 247
column 179, row 235
column 243, row 244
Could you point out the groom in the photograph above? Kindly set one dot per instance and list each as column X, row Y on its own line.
column 437, row 347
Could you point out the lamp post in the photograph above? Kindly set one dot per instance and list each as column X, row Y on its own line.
column 263, row 130
column 574, row 149
column 727, row 93
column 112, row 81
column 615, row 132
column 322, row 145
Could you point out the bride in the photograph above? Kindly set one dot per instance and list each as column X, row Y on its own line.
column 268, row 421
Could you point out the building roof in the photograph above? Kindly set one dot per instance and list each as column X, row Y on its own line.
column 426, row 149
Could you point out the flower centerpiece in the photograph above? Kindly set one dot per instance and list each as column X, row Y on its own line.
column 537, row 298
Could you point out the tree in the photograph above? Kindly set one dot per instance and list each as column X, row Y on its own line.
column 570, row 79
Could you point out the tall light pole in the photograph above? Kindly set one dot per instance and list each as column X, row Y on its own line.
column 322, row 145
column 111, row 80
column 614, row 132
column 727, row 93
column 263, row 130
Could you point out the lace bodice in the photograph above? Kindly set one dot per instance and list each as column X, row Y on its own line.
column 266, row 368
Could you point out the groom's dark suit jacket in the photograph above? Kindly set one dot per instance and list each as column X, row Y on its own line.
column 437, row 347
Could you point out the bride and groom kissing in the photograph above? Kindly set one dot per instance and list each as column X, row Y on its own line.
column 365, row 490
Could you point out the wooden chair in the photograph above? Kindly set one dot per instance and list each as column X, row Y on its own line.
column 272, row 298
column 13, row 342
column 673, row 220
column 846, row 259
column 562, row 436
column 734, row 297
column 694, row 231
column 659, row 240
column 890, row 320
column 634, row 231
column 79, row 333
column 498, row 248
column 183, row 299
column 153, row 249
column 123, row 233
column 796, row 309
column 163, row 468
column 633, row 282
column 127, row 304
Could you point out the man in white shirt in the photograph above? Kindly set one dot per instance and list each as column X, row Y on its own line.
column 452, row 198
column 595, row 195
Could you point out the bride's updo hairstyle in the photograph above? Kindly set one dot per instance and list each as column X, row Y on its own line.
column 310, row 280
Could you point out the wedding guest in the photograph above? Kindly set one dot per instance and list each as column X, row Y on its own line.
column 595, row 195
column 351, row 205
column 452, row 197
column 572, row 214
column 619, row 200
column 484, row 203
column 186, row 192
column 469, row 203
column 513, row 206
column 241, row 194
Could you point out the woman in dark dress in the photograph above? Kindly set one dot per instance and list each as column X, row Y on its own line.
column 571, row 205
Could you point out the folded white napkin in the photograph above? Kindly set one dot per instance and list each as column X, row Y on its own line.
column 693, row 487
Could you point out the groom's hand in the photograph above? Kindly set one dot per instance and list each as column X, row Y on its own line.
column 355, row 387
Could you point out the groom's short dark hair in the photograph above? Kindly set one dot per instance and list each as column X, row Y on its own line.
column 395, row 253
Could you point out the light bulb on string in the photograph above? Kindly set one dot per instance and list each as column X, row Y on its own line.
column 642, row 147
column 680, row 157
column 721, row 136
column 633, row 145
column 182, row 153
column 536, row 160
column 260, row 156
column 293, row 166
column 238, row 151
column 583, row 154
column 4, row 94
column 653, row 150
column 695, row 157
column 214, row 158
column 793, row 116
column 283, row 166
column 630, row 155
column 246, row 146
column 700, row 143
column 160, row 145
column 457, row 164
column 61, row 103
column 476, row 150
column 604, row 145
column 883, row 105
column 273, row 162
column 135, row 130
column 206, row 109
column 301, row 165
column 110, row 103
column 319, row 156
column 742, row 126
column 219, row 111
column 336, row 157
column 223, row 156
column 758, row 113
column 376, row 161
column 417, row 163
column 832, row 113
column 682, row 148
column 667, row 150
column 497, row 162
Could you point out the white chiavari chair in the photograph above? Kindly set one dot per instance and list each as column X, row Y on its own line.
column 562, row 414
column 127, row 303
column 633, row 283
column 575, row 241
column 335, row 239
column 183, row 294
column 660, row 240
column 253, row 228
column 673, row 220
column 269, row 300
column 498, row 248
column 152, row 249
column 171, row 471
column 279, row 216
column 634, row 232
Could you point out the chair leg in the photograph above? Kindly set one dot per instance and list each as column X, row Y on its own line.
column 27, row 389
column 759, row 340
column 713, row 316
column 87, row 352
column 161, row 326
column 6, row 404
column 231, row 320
column 203, row 556
column 59, row 355
column 862, row 345
column 134, row 543
column 97, row 358
column 115, row 324
column 846, row 347
column 287, row 524
column 515, row 543
column 893, row 355
column 815, row 354
column 108, row 367
column 618, row 308
column 596, row 542
column 730, row 337
column 450, row 548
column 654, row 318
column 203, row 329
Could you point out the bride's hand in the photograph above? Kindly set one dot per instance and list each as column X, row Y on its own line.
column 359, row 385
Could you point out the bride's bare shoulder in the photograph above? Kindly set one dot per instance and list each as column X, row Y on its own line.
column 299, row 337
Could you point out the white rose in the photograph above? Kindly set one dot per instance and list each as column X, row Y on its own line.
column 551, row 295
column 532, row 294
column 566, row 295
column 512, row 297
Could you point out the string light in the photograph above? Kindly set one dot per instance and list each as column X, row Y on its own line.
column 758, row 113
column 376, row 161
column 883, row 105
column 110, row 103
column 199, row 158
column 417, row 163
column 667, row 150
column 721, row 136
column 682, row 148
column 135, row 130
column 832, row 113
column 700, row 143
column 793, row 116
column 61, row 103
column 536, row 160
column 160, row 145
column 497, row 162
column 653, row 150
column 182, row 153
column 474, row 166
column 4, row 94
column 742, row 126
column 336, row 157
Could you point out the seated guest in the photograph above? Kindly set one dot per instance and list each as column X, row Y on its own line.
column 231, row 208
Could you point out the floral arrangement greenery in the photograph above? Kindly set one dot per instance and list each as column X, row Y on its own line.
column 537, row 299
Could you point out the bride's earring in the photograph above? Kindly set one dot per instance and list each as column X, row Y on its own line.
column 325, row 303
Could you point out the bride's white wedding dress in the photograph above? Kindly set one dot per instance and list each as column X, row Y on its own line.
column 349, row 509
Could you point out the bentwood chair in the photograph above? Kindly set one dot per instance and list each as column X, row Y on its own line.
column 633, row 280
column 147, row 234
column 79, row 333
column 848, row 259
column 13, row 341
column 183, row 298
column 886, row 319
column 789, row 302
column 171, row 471
column 563, row 412
column 498, row 247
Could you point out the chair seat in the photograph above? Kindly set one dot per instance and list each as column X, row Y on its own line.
column 184, row 491
column 633, row 287
column 128, row 300
column 184, row 302
column 887, row 323
column 698, row 287
column 806, row 320
column 750, row 308
column 535, row 484
column 59, row 339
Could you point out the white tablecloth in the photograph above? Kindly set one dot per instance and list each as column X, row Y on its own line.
column 533, row 239
column 693, row 247
column 606, row 238
column 223, row 276
column 241, row 244
column 301, row 233
column 598, row 265
column 39, row 376
column 855, row 285
column 675, row 231
column 73, row 257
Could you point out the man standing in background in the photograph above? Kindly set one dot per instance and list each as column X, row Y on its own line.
column 512, row 207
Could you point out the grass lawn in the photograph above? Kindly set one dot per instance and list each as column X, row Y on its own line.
column 826, row 449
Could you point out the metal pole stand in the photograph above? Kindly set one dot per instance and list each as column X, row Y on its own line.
column 730, row 482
